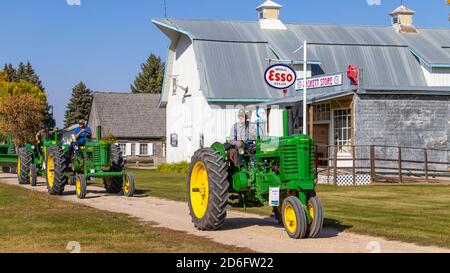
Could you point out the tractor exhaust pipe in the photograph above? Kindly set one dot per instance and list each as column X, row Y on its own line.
column 98, row 133
column 285, row 123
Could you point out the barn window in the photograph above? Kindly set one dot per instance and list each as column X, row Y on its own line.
column 143, row 149
column 342, row 130
column 123, row 148
column 133, row 149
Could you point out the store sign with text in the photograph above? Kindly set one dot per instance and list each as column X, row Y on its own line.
column 320, row 82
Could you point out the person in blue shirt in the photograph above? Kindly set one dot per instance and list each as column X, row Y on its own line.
column 82, row 133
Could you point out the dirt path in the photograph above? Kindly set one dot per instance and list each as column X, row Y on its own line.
column 241, row 229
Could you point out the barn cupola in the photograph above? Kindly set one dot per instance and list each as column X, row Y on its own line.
column 269, row 16
column 402, row 20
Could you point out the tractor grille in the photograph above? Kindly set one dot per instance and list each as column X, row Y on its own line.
column 290, row 159
column 96, row 154
column 297, row 159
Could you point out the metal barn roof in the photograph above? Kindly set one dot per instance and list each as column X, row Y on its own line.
column 387, row 58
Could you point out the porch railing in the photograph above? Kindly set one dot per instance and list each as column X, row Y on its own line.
column 382, row 163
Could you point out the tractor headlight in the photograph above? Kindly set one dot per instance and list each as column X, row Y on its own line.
column 32, row 147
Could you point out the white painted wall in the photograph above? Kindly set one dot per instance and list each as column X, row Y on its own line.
column 190, row 117
column 437, row 76
column 179, row 108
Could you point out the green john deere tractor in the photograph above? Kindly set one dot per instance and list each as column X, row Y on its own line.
column 8, row 156
column 275, row 170
column 31, row 162
column 97, row 159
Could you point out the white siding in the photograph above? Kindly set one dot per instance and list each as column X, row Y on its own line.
column 438, row 76
column 180, row 112
column 276, row 122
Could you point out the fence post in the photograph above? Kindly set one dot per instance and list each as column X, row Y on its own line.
column 372, row 163
column 328, row 164
column 335, row 164
column 426, row 164
column 400, row 177
column 354, row 164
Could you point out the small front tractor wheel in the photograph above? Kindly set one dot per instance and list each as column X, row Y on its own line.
column 207, row 188
column 24, row 163
column 81, row 186
column 315, row 210
column 294, row 218
column 129, row 185
column 33, row 175
column 56, row 168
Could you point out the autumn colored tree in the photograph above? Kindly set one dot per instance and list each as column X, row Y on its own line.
column 22, row 108
column 26, row 72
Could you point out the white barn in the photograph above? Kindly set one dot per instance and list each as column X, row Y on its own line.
column 213, row 67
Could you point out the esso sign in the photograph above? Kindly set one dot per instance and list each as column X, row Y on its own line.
column 280, row 76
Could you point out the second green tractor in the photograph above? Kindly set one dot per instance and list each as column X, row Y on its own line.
column 63, row 164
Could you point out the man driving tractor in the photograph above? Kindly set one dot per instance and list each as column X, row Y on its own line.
column 82, row 133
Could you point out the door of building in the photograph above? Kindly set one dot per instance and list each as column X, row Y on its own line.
column 321, row 137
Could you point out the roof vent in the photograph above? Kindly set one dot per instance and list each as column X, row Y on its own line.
column 402, row 20
column 269, row 15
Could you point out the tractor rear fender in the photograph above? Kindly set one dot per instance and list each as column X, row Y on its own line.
column 218, row 147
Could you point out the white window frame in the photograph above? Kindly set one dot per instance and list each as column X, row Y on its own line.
column 123, row 151
column 150, row 150
column 349, row 127
column 141, row 146
column 138, row 149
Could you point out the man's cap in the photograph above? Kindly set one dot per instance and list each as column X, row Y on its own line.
column 81, row 121
column 241, row 113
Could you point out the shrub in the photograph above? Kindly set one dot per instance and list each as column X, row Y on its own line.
column 179, row 167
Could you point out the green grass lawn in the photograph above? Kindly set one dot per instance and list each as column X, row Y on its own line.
column 410, row 213
column 35, row 222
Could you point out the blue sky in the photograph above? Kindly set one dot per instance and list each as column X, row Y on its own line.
column 103, row 42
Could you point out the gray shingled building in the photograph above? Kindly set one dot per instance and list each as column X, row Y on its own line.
column 134, row 120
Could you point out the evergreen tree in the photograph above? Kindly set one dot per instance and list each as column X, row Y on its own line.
column 150, row 79
column 79, row 105
column 10, row 71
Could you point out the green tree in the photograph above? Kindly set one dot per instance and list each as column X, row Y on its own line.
column 79, row 105
column 150, row 79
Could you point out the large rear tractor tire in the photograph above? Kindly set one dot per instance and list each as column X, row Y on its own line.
column 81, row 186
column 24, row 163
column 56, row 168
column 115, row 184
column 207, row 188
column 33, row 175
column 294, row 218
column 315, row 209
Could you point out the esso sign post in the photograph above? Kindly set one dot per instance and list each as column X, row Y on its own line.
column 280, row 76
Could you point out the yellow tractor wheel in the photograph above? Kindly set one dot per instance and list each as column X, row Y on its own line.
column 294, row 218
column 56, row 171
column 207, row 188
column 129, row 185
column 81, row 186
